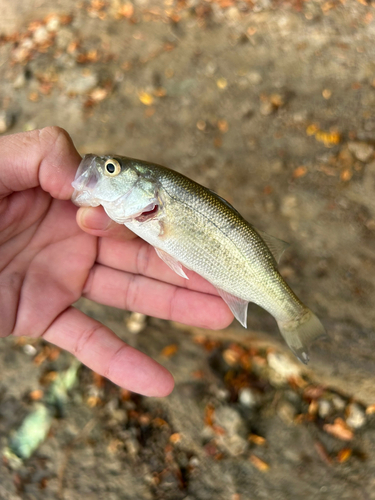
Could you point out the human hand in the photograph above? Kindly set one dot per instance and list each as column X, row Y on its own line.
column 48, row 261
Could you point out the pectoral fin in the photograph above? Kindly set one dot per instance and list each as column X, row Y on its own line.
column 275, row 245
column 171, row 262
column 236, row 305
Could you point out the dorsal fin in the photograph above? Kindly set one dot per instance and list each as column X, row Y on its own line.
column 275, row 245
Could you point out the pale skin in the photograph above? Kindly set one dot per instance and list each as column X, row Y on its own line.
column 52, row 253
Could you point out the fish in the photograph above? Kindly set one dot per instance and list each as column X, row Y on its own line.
column 192, row 227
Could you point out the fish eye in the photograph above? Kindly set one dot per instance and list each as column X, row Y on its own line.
column 112, row 167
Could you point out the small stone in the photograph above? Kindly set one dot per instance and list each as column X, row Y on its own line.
column 266, row 108
column 40, row 35
column 246, row 397
column 78, row 83
column 338, row 403
column 6, row 121
column 289, row 205
column 19, row 81
column 277, row 166
column 285, row 368
column 254, row 77
column 232, row 14
column 29, row 349
column 233, row 441
column 324, row 408
column 53, row 23
column 361, row 150
column 287, row 412
column 356, row 416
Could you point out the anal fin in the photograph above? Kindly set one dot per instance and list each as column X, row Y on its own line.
column 236, row 305
column 171, row 262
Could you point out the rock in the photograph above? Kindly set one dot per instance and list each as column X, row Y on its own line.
column 356, row 416
column 254, row 77
column 287, row 412
column 233, row 441
column 283, row 366
column 338, row 403
column 361, row 150
column 324, row 408
column 247, row 397
column 40, row 35
column 136, row 322
column 6, row 121
column 78, row 83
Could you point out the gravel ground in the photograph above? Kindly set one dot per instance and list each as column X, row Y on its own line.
column 271, row 104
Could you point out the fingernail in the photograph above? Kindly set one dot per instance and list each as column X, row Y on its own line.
column 94, row 218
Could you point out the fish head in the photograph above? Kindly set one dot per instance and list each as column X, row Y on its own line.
column 115, row 183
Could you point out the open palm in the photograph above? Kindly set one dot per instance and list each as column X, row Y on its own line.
column 48, row 261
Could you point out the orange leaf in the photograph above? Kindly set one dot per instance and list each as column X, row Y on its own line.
column 259, row 464
column 169, row 350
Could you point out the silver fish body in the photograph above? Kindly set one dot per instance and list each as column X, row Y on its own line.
column 191, row 226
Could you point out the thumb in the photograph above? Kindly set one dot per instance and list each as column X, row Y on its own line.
column 96, row 222
column 45, row 158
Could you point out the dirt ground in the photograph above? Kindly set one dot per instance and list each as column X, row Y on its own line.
column 272, row 105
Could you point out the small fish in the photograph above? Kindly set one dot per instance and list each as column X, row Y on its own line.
column 191, row 226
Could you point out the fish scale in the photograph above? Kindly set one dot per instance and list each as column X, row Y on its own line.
column 191, row 226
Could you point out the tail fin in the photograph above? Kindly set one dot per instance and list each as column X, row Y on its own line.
column 300, row 332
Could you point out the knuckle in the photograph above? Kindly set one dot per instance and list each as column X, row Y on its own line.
column 85, row 338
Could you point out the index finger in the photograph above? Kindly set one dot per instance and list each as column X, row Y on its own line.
column 45, row 157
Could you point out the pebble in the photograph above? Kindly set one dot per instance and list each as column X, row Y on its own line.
column 356, row 416
column 230, row 420
column 19, row 81
column 6, row 121
column 40, row 35
column 247, row 397
column 361, row 150
column 78, row 83
column 136, row 322
column 287, row 412
column 324, row 408
column 254, row 77
column 289, row 205
column 338, row 403
column 29, row 349
column 283, row 366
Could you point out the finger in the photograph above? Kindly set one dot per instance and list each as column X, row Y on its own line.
column 155, row 298
column 102, row 351
column 45, row 157
column 138, row 257
column 96, row 222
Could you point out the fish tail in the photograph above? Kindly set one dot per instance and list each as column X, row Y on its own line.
column 300, row 332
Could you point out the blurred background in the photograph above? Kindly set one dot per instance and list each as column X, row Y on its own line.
column 271, row 104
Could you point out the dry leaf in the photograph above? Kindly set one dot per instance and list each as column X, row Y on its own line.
column 259, row 464
column 258, row 440
column 175, row 438
column 93, row 401
column 344, row 455
column 126, row 11
column 145, row 98
column 299, row 172
column 222, row 83
column 209, row 414
column 223, row 126
column 339, row 429
column 36, row 395
column 370, row 409
column 169, row 350
column 98, row 94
